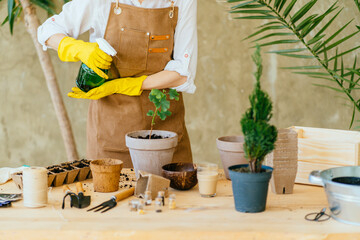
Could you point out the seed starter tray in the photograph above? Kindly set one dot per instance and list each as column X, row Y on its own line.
column 64, row 173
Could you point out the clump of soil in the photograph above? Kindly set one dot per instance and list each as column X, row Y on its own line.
column 57, row 170
column 67, row 167
column 85, row 161
column 81, row 163
column 245, row 170
column 153, row 136
column 53, row 166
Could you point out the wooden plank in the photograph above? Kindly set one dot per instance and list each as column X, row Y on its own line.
column 329, row 152
column 321, row 148
column 328, row 134
column 305, row 168
column 282, row 220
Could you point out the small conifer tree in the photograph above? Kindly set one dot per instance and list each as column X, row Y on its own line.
column 259, row 135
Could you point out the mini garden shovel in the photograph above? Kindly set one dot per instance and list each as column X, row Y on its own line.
column 106, row 206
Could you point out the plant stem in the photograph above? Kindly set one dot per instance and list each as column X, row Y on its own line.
column 251, row 165
column 153, row 122
column 332, row 74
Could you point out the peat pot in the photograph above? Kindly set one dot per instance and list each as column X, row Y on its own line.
column 342, row 188
column 150, row 155
column 106, row 174
column 284, row 161
column 231, row 152
column 250, row 189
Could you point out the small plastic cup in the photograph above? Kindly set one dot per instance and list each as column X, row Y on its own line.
column 207, row 174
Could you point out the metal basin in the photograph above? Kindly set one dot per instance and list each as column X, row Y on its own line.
column 343, row 198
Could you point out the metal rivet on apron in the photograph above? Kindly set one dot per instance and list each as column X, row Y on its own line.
column 148, row 33
column 167, row 36
column 171, row 13
column 122, row 29
column 117, row 10
column 165, row 49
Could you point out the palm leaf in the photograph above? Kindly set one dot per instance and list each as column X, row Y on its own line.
column 288, row 50
column 14, row 10
column 357, row 2
column 296, row 55
column 289, row 8
column 353, row 116
column 299, row 24
column 303, row 67
column 46, row 5
column 273, row 35
column 278, row 42
column 11, row 17
column 318, row 20
column 299, row 14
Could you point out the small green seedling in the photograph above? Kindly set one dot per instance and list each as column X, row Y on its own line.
column 162, row 104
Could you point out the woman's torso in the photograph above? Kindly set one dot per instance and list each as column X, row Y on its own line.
column 103, row 11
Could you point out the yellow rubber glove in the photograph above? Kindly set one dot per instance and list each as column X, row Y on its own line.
column 127, row 86
column 72, row 50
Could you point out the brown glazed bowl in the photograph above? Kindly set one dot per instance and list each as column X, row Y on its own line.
column 182, row 176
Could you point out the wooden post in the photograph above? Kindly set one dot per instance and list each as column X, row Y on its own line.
column 32, row 23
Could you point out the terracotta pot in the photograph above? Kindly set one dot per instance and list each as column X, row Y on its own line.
column 231, row 152
column 150, row 155
column 106, row 174
column 284, row 161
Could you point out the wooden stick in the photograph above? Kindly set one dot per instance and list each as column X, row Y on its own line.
column 124, row 194
column 32, row 23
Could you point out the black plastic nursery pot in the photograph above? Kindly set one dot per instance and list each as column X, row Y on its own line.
column 250, row 189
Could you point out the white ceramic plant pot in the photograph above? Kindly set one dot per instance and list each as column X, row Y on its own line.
column 151, row 154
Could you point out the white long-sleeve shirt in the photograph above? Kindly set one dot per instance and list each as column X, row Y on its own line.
column 79, row 16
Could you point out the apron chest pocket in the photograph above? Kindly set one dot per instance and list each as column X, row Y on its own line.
column 133, row 49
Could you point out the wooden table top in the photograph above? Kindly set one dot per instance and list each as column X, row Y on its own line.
column 283, row 218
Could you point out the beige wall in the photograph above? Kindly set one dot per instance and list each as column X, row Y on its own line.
column 29, row 132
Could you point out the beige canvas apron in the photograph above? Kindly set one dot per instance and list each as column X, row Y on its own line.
column 144, row 40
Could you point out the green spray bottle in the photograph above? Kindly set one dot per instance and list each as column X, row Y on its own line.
column 87, row 79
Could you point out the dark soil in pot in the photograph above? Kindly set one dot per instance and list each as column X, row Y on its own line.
column 81, row 163
column 67, row 167
column 246, row 170
column 151, row 154
column 57, row 170
column 153, row 136
column 84, row 169
column 347, row 180
column 85, row 161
